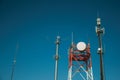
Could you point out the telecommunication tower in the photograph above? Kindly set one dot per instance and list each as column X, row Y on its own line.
column 99, row 32
column 57, row 58
column 80, row 64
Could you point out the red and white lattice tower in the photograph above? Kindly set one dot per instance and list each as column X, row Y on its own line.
column 80, row 64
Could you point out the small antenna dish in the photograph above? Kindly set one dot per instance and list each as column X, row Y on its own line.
column 96, row 29
column 103, row 29
column 81, row 46
column 98, row 21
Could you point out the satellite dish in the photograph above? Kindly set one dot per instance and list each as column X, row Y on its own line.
column 81, row 46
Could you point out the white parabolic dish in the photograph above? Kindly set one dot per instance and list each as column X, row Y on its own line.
column 81, row 46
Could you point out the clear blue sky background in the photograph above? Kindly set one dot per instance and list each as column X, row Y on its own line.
column 35, row 25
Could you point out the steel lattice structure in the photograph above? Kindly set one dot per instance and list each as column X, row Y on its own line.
column 80, row 64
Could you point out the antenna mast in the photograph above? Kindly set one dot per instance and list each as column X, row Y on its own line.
column 99, row 32
column 14, row 62
column 72, row 38
column 56, row 58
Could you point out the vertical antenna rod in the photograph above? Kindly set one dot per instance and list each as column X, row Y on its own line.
column 14, row 62
column 72, row 38
column 57, row 57
column 99, row 32
column 70, row 60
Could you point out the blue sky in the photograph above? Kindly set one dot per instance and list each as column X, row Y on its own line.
column 35, row 25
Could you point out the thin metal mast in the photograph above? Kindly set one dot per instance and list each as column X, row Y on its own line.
column 70, row 62
column 56, row 58
column 14, row 62
column 99, row 32
column 72, row 38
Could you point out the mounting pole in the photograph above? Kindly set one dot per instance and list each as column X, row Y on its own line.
column 13, row 68
column 14, row 62
column 99, row 32
column 57, row 57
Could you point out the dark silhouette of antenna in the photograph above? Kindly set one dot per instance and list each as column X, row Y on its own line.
column 14, row 62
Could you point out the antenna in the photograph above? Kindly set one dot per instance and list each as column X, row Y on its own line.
column 14, row 61
column 72, row 38
column 99, row 32
column 97, row 14
column 57, row 58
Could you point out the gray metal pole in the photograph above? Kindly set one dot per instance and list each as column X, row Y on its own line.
column 14, row 62
column 13, row 68
column 56, row 58
column 99, row 32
